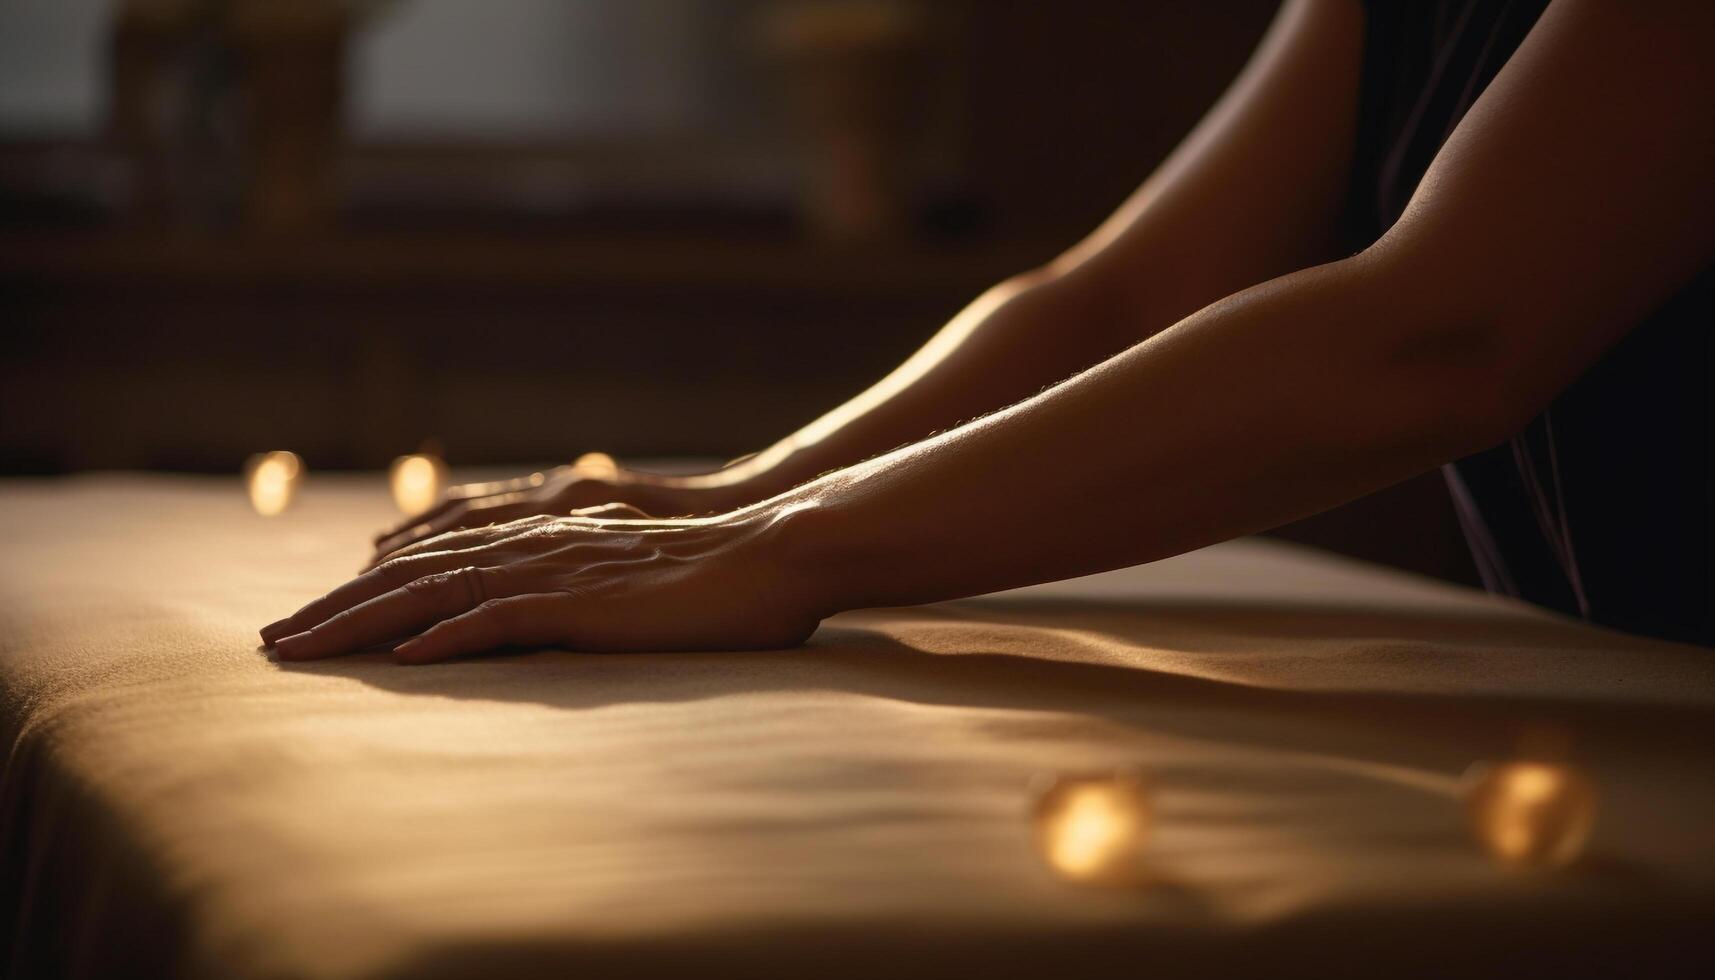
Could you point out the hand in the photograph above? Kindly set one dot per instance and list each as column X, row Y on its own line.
column 586, row 487
column 593, row 584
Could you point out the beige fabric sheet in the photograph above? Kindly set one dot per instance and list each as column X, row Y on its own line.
column 175, row 802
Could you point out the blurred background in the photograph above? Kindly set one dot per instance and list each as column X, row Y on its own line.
column 526, row 229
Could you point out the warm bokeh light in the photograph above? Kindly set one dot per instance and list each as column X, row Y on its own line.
column 417, row 481
column 1094, row 828
column 1530, row 814
column 272, row 480
column 599, row 466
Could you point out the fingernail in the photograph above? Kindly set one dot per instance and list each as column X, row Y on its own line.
column 288, row 646
column 269, row 632
column 403, row 650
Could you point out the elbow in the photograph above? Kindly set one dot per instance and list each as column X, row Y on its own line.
column 1468, row 371
column 1485, row 407
column 1466, row 386
column 1426, row 414
column 1425, row 411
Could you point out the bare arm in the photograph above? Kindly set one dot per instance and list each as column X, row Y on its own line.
column 1574, row 197
column 1250, row 194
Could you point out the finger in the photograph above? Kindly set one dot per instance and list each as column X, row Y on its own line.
column 440, row 508
column 469, row 491
column 504, row 507
column 418, row 527
column 610, row 511
column 470, row 537
column 463, row 494
column 378, row 580
column 412, row 608
column 525, row 620
column 488, row 510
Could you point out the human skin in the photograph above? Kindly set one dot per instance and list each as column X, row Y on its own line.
column 1208, row 222
column 1571, row 200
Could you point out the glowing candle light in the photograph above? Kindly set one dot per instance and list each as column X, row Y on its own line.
column 598, row 466
column 416, row 481
column 1094, row 828
column 1530, row 814
column 272, row 481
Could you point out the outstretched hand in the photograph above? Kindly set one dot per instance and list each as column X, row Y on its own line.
column 586, row 583
column 595, row 481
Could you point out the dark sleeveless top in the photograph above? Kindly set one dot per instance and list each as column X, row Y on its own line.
column 1600, row 508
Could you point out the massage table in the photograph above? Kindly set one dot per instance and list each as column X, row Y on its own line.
column 176, row 803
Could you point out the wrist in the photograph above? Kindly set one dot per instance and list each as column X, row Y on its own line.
column 810, row 537
column 755, row 558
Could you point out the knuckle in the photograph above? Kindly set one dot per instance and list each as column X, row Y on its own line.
column 400, row 568
column 435, row 582
column 532, row 532
column 494, row 580
column 606, row 510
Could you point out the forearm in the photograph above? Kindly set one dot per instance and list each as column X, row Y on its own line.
column 1253, row 192
column 1278, row 402
column 1016, row 339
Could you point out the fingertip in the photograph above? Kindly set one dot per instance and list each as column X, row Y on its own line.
column 414, row 651
column 294, row 647
column 273, row 631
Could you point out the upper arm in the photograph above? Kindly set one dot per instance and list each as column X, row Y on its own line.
column 1255, row 190
column 1576, row 195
